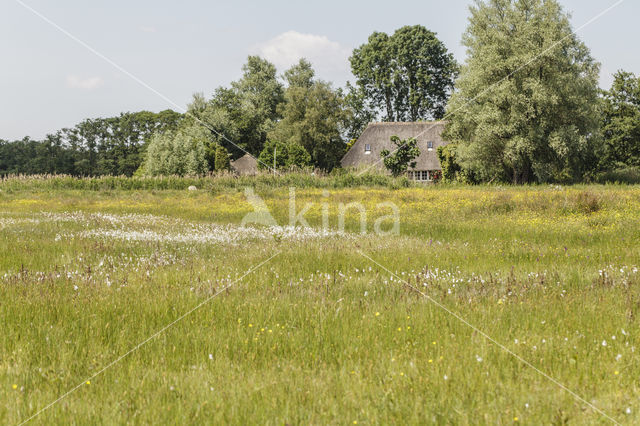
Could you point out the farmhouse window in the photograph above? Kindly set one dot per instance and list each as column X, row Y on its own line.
column 367, row 148
column 430, row 146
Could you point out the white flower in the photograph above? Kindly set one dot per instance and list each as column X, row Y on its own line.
column 211, row 356
column 604, row 343
column 478, row 358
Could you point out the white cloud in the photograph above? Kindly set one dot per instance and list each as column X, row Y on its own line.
column 148, row 29
column 89, row 83
column 330, row 59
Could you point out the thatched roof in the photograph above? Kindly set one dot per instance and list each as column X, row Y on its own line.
column 378, row 136
column 245, row 165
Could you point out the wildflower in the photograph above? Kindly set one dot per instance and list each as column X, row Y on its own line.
column 515, row 419
column 14, row 387
column 399, row 328
column 478, row 358
column 446, row 377
column 430, row 361
column 377, row 314
column 250, row 325
column 604, row 343
column 628, row 410
column 433, row 343
column 211, row 356
column 88, row 382
column 616, row 372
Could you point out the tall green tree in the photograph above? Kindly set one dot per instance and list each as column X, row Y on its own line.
column 240, row 117
column 180, row 152
column 313, row 117
column 406, row 76
column 360, row 110
column 222, row 160
column 526, row 104
column 282, row 155
column 621, row 122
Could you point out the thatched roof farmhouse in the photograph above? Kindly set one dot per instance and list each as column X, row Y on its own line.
column 245, row 165
column 377, row 137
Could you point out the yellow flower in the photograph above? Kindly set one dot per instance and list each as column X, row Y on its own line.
column 14, row 387
column 88, row 382
column 250, row 325
column 515, row 419
column 433, row 343
column 430, row 360
column 377, row 314
column 399, row 328
column 616, row 372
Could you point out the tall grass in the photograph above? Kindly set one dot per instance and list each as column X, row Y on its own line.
column 320, row 334
column 211, row 182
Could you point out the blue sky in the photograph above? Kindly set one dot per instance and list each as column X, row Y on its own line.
column 48, row 81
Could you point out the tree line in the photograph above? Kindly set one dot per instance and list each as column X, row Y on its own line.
column 94, row 147
column 524, row 107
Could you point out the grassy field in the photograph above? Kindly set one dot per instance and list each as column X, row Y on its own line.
column 270, row 325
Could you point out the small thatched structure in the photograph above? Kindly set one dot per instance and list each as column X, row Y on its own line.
column 377, row 137
column 245, row 165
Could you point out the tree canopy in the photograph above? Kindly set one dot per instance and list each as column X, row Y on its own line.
column 239, row 117
column 621, row 122
column 407, row 76
column 526, row 103
column 313, row 116
column 97, row 146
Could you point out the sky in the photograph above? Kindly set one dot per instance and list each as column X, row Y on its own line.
column 68, row 60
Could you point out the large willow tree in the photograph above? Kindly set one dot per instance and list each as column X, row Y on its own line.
column 525, row 106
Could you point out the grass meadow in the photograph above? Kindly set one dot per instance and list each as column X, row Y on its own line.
column 332, row 327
